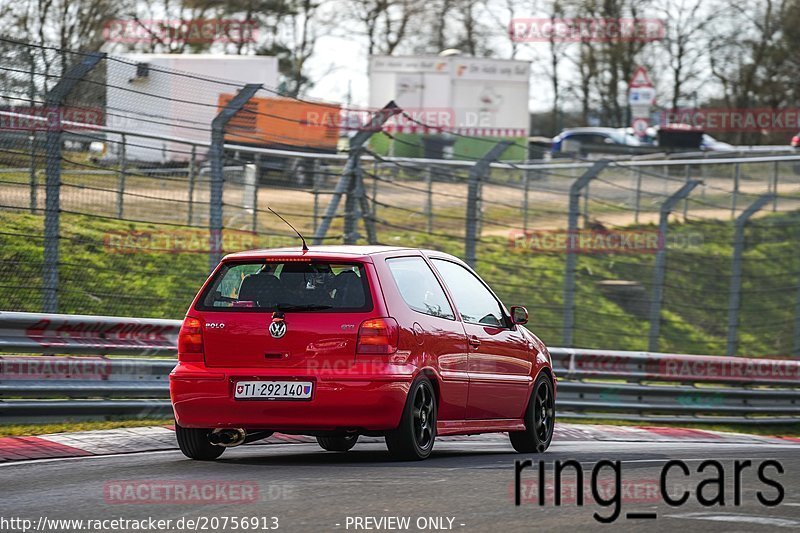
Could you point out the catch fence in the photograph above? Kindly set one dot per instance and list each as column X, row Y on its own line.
column 104, row 216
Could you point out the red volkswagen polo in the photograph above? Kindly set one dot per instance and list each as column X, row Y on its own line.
column 343, row 341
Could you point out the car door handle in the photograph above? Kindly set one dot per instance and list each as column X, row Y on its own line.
column 474, row 341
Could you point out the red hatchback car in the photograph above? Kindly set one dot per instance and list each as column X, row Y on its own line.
column 343, row 341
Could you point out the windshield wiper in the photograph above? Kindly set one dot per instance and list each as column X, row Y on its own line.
column 302, row 307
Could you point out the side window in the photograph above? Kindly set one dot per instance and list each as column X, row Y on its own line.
column 419, row 287
column 474, row 301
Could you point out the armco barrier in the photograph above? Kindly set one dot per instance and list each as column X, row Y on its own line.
column 592, row 384
column 87, row 335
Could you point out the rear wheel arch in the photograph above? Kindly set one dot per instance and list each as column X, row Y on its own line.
column 434, row 378
column 414, row 438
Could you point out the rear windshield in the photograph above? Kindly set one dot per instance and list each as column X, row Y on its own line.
column 288, row 286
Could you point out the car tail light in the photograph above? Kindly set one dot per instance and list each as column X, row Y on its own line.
column 190, row 340
column 378, row 336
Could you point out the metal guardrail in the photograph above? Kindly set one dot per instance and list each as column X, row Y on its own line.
column 593, row 384
column 87, row 334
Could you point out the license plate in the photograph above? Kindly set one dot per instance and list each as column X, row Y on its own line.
column 274, row 390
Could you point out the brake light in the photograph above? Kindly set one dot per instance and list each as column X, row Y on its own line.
column 190, row 341
column 378, row 336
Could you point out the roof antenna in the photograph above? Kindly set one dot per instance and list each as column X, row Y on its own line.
column 305, row 248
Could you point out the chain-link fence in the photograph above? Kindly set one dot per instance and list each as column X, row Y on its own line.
column 122, row 182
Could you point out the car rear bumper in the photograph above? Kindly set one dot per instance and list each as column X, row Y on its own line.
column 369, row 398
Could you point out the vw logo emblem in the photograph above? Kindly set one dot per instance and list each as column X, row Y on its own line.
column 277, row 329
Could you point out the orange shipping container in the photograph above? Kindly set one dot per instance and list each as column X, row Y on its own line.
column 284, row 123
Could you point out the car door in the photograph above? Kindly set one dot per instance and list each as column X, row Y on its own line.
column 418, row 301
column 499, row 362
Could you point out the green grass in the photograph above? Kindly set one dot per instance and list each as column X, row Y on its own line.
column 97, row 279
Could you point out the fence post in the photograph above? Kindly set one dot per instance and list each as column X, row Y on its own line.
column 638, row 194
column 33, row 138
column 774, row 186
column 736, row 271
column 525, row 205
column 122, row 169
column 33, row 180
column 53, row 101
column 350, row 214
column 216, row 155
column 688, row 173
column 315, row 192
column 257, row 164
column 363, row 208
column 586, row 205
column 575, row 191
column 476, row 173
column 429, row 199
column 661, row 259
column 737, row 169
column 349, row 173
column 375, row 185
column 192, row 177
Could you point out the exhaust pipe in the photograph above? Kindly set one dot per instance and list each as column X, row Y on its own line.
column 227, row 437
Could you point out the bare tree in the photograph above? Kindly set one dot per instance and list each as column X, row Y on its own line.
column 386, row 23
column 686, row 43
column 557, row 50
column 502, row 18
column 748, row 54
column 306, row 26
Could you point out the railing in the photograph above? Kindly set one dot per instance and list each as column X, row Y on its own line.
column 592, row 384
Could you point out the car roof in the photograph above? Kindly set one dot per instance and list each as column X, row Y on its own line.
column 590, row 129
column 330, row 251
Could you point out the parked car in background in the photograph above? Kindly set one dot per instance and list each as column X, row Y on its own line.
column 711, row 144
column 584, row 139
column 343, row 341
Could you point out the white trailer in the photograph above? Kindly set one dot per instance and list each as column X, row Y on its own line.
column 482, row 97
column 144, row 95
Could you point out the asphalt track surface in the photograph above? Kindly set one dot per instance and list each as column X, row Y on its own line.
column 467, row 480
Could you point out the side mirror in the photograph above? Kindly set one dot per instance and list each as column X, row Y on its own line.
column 519, row 315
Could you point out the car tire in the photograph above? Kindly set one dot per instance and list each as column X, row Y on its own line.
column 337, row 444
column 194, row 444
column 414, row 438
column 540, row 417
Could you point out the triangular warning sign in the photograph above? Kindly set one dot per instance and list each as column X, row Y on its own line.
column 640, row 78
